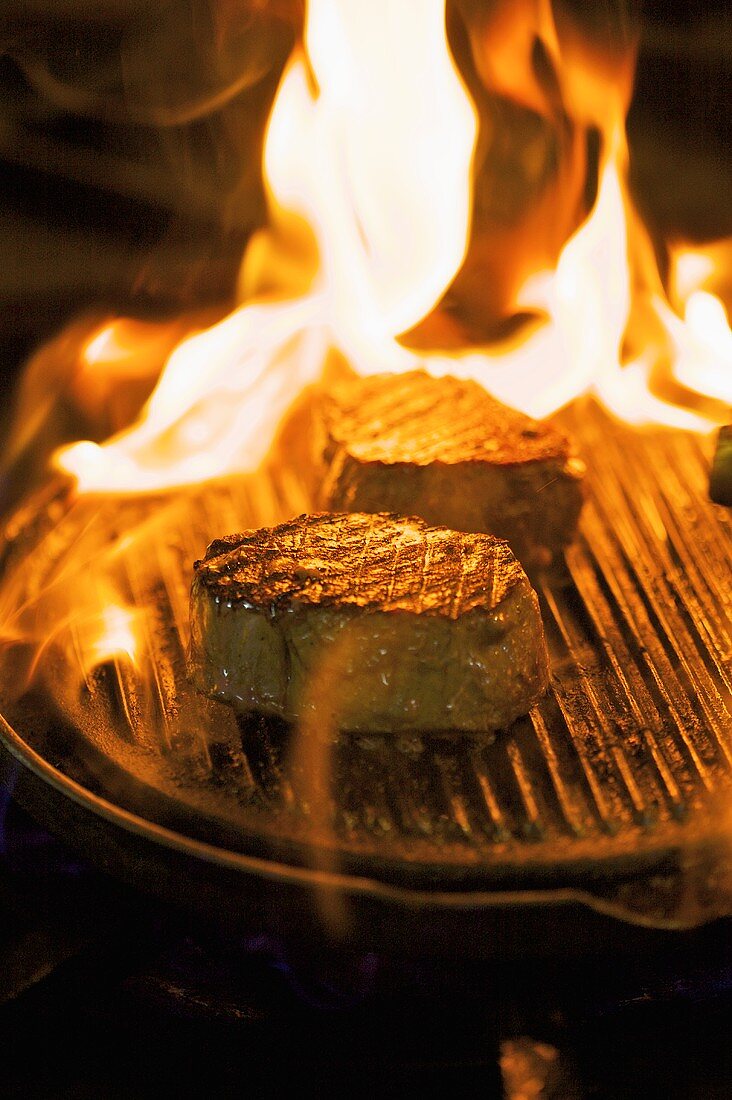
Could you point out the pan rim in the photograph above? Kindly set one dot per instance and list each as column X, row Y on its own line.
column 313, row 879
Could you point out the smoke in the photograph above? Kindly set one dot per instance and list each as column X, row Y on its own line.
column 163, row 64
column 187, row 82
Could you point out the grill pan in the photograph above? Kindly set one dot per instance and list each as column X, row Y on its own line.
column 609, row 801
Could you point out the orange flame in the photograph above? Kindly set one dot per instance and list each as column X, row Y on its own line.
column 368, row 159
column 115, row 636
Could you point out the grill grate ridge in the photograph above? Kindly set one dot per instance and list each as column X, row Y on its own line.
column 632, row 742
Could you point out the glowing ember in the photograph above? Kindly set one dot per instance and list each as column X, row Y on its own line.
column 368, row 162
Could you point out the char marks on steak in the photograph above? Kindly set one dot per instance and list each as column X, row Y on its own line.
column 443, row 449
column 371, row 622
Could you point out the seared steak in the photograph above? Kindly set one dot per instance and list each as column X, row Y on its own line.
column 370, row 622
column 443, row 449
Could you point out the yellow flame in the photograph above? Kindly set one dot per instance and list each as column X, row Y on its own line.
column 368, row 159
column 354, row 107
column 702, row 360
column 690, row 271
column 126, row 348
column 112, row 635
column 701, row 267
column 102, row 346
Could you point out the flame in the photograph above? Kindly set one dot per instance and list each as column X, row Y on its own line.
column 703, row 346
column 114, row 637
column 122, row 357
column 382, row 255
column 89, row 626
column 368, row 163
column 690, row 272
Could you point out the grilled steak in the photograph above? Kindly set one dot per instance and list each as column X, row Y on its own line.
column 443, row 449
column 372, row 622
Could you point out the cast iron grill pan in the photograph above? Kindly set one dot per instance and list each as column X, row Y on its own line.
column 614, row 790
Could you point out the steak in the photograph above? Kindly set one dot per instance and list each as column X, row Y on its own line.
column 443, row 449
column 369, row 623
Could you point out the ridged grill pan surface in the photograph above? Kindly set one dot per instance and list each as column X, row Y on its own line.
column 615, row 787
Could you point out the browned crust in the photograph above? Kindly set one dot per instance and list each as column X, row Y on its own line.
column 417, row 419
column 443, row 449
column 365, row 561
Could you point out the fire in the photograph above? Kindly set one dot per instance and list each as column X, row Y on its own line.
column 368, row 163
column 115, row 636
column 90, row 627
column 707, row 367
column 380, row 256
